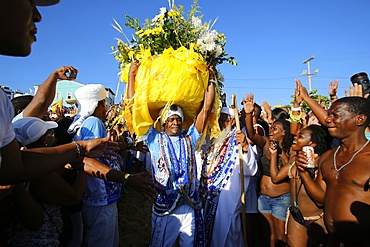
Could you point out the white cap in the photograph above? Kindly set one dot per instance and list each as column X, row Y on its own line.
column 174, row 110
column 87, row 98
column 228, row 111
column 46, row 2
column 30, row 129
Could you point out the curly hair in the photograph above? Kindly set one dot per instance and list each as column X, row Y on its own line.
column 319, row 137
column 288, row 137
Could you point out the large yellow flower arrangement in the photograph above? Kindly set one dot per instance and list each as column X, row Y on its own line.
column 174, row 54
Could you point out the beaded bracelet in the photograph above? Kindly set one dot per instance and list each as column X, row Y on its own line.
column 212, row 80
column 78, row 148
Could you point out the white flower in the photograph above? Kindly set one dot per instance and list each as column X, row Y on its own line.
column 218, row 50
column 197, row 23
column 162, row 11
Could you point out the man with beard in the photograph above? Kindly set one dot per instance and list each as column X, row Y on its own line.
column 221, row 177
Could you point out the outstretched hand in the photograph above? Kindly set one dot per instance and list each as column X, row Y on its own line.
column 97, row 147
column 141, row 184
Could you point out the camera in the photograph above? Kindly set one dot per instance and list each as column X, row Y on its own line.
column 277, row 146
column 275, row 143
column 362, row 79
column 71, row 75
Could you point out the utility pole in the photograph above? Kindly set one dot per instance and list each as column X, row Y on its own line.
column 308, row 71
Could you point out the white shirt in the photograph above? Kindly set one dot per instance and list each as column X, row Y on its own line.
column 6, row 115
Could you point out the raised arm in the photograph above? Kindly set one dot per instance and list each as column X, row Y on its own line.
column 131, row 80
column 46, row 92
column 296, row 112
column 248, row 109
column 267, row 108
column 209, row 96
column 316, row 108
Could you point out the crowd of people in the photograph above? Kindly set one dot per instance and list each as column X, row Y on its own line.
column 256, row 184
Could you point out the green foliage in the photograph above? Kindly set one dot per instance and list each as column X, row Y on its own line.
column 172, row 29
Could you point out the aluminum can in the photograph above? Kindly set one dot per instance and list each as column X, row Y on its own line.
column 310, row 156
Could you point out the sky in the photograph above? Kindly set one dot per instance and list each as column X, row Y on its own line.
column 269, row 39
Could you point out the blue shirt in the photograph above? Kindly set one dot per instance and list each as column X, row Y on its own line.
column 98, row 192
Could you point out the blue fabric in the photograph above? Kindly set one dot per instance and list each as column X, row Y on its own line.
column 101, row 225
column 367, row 135
column 277, row 206
column 98, row 192
column 168, row 196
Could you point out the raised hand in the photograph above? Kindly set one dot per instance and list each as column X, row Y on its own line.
column 354, row 91
column 333, row 87
column 297, row 93
column 66, row 73
column 302, row 90
column 248, row 103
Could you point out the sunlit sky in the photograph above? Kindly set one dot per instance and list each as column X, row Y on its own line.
column 269, row 39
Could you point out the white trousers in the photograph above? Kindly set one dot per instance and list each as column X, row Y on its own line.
column 179, row 223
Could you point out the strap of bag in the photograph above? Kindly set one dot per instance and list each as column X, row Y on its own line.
column 297, row 191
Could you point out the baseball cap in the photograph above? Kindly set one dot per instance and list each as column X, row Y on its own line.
column 46, row 2
column 30, row 129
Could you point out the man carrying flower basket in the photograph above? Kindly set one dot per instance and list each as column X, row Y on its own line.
column 171, row 98
column 176, row 211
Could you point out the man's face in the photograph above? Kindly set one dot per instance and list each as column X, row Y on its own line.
column 340, row 121
column 17, row 26
column 173, row 125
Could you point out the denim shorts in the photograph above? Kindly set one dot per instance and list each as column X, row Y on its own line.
column 277, row 206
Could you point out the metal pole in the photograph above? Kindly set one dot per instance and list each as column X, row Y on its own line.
column 309, row 75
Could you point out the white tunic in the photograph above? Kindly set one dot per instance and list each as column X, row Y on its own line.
column 227, row 230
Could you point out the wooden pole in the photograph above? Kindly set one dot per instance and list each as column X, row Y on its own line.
column 241, row 166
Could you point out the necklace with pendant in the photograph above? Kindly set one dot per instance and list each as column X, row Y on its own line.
column 353, row 156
